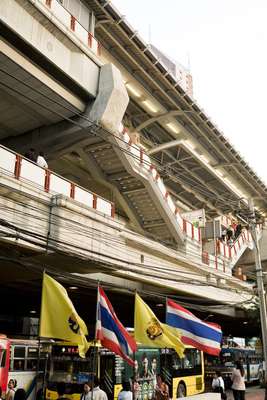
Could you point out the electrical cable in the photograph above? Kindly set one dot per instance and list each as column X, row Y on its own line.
column 90, row 282
column 75, row 228
column 133, row 270
column 194, row 183
column 81, row 126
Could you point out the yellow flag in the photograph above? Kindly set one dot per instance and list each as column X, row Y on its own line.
column 59, row 318
column 150, row 332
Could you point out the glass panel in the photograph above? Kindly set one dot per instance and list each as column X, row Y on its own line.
column 19, row 352
column 31, row 365
column 32, row 352
column 18, row 365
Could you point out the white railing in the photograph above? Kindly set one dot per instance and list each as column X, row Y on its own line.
column 71, row 23
column 225, row 220
column 24, row 170
column 226, row 255
column 144, row 161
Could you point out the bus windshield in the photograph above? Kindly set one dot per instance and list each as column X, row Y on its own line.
column 67, row 366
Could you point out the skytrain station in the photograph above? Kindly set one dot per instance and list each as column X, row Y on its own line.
column 141, row 192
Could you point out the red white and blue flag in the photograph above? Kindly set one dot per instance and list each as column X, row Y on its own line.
column 111, row 332
column 205, row 336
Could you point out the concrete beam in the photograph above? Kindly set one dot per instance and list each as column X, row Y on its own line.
column 101, row 177
column 165, row 146
column 112, row 99
column 107, row 111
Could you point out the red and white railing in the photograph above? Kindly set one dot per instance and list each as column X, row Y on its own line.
column 225, row 220
column 231, row 251
column 226, row 255
column 70, row 22
column 190, row 231
column 214, row 262
column 15, row 165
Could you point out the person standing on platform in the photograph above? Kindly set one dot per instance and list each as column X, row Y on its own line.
column 41, row 160
column 31, row 155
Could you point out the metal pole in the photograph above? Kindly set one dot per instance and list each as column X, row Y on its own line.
column 260, row 288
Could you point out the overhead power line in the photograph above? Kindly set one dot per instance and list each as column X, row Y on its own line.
column 170, row 171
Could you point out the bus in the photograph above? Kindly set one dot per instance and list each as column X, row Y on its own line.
column 252, row 362
column 185, row 377
column 19, row 361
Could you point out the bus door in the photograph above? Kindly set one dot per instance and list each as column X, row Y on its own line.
column 4, row 363
column 107, row 374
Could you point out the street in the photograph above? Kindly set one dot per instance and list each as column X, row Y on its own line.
column 252, row 393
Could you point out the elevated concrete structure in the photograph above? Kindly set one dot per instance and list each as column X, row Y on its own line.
column 56, row 220
column 153, row 152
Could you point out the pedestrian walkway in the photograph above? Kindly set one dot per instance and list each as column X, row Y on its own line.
column 252, row 393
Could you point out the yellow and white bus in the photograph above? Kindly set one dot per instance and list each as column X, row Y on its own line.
column 185, row 377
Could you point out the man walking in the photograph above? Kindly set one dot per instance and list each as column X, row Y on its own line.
column 97, row 393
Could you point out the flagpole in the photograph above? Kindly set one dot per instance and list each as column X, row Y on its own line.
column 134, row 379
column 95, row 356
column 165, row 355
column 39, row 345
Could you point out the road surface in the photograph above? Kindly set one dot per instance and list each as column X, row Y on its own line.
column 252, row 393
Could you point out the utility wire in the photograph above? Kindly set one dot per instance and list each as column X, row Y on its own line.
column 81, row 250
column 167, row 169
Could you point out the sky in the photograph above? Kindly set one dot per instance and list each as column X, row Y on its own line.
column 226, row 43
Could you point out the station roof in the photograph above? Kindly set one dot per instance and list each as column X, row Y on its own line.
column 129, row 49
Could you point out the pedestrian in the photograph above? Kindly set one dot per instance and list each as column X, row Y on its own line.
column 61, row 388
column 86, row 390
column 0, row 393
column 41, row 160
column 218, row 385
column 162, row 389
column 238, row 230
column 20, row 394
column 97, row 393
column 238, row 382
column 31, row 154
column 125, row 393
column 11, row 389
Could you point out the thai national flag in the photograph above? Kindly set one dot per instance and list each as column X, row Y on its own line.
column 111, row 332
column 202, row 335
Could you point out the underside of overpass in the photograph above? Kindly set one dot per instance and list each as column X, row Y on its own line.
column 21, row 278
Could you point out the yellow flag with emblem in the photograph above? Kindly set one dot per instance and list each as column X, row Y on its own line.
column 59, row 318
column 149, row 331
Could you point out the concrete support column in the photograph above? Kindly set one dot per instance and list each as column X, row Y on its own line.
column 111, row 102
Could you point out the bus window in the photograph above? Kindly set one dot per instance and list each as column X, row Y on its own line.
column 31, row 365
column 19, row 353
column 188, row 360
column 32, row 352
column 32, row 356
column 192, row 362
column 18, row 365
column 176, row 362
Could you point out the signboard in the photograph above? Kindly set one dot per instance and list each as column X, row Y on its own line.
column 196, row 217
column 143, row 376
column 212, row 230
